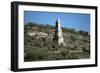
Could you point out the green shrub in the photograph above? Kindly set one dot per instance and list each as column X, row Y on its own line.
column 86, row 49
column 72, row 56
column 64, row 53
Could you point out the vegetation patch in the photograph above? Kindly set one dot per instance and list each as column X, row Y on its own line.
column 39, row 44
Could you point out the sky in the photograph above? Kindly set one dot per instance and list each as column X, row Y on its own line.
column 77, row 21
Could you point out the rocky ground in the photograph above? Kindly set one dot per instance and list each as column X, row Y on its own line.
column 39, row 46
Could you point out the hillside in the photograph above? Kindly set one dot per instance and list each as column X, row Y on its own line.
column 39, row 46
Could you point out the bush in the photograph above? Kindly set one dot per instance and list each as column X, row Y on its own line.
column 64, row 53
column 72, row 56
column 73, row 38
column 83, row 33
column 86, row 50
column 31, row 55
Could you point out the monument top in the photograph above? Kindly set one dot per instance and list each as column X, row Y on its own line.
column 58, row 21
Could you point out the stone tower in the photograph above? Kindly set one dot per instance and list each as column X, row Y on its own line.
column 58, row 37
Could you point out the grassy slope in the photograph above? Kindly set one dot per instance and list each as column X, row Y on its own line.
column 39, row 48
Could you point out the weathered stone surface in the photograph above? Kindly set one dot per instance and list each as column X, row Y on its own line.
column 58, row 37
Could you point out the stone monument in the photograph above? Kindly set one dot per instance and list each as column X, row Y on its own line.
column 58, row 37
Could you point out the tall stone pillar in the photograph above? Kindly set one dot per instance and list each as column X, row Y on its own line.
column 58, row 37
